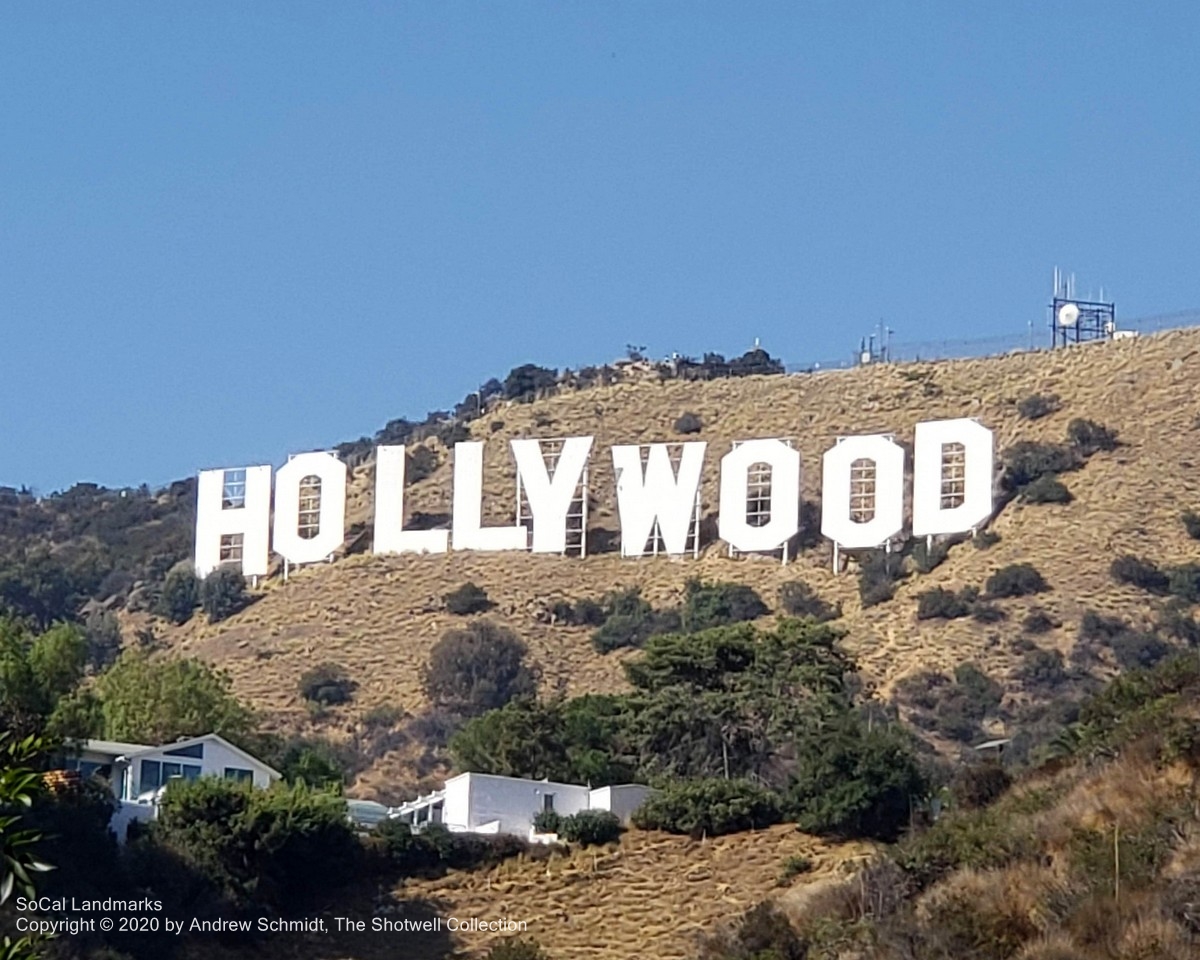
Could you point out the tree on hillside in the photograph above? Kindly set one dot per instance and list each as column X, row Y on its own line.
column 180, row 594
column 36, row 672
column 45, row 588
column 222, row 593
column 158, row 701
column 103, row 634
column 577, row 741
column 856, row 780
column 528, row 380
column 477, row 668
column 268, row 850
column 707, row 605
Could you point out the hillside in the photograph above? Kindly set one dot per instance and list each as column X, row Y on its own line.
column 378, row 616
column 1019, row 667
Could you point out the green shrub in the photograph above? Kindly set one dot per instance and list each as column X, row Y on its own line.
column 435, row 849
column 1096, row 626
column 1140, row 573
column 1046, row 489
column 1015, row 580
column 590, row 828
column 954, row 708
column 795, row 866
column 1042, row 670
column 476, row 669
column 421, row 462
column 940, row 603
column 313, row 762
column 1176, row 620
column 525, row 382
column 709, row 807
column 855, row 780
column 180, row 594
column 762, row 933
column 987, row 612
column 259, row 846
column 878, row 575
column 1184, row 582
column 222, row 593
column 467, row 599
column 689, row 423
column 327, row 684
column 547, row 821
column 980, row 784
column 1191, row 523
column 1133, row 650
column 798, row 599
column 1024, row 462
column 382, row 716
column 708, row 605
column 1038, row 405
column 1090, row 437
column 985, row 539
column 982, row 839
column 629, row 621
column 103, row 635
column 516, row 948
column 926, row 558
column 1038, row 621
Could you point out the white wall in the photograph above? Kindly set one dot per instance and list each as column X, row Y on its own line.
column 511, row 802
column 126, row 813
column 456, row 808
column 216, row 758
column 621, row 800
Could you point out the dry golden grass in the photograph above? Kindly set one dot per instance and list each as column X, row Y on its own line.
column 653, row 895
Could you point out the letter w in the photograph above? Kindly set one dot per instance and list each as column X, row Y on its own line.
column 656, row 496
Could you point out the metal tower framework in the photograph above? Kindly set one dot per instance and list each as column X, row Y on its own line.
column 577, row 512
column 655, row 544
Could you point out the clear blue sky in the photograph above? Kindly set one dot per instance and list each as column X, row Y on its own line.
column 229, row 231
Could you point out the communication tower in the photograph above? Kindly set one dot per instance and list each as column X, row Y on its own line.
column 1073, row 320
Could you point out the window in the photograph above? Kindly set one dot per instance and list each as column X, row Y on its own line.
column 233, row 490
column 151, row 776
column 238, row 774
column 547, row 802
column 231, row 547
column 758, row 495
column 308, row 524
column 195, row 751
column 156, row 773
column 188, row 771
column 954, row 474
column 862, row 490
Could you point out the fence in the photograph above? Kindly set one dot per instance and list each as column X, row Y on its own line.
column 1035, row 338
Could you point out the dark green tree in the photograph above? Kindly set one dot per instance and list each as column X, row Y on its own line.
column 477, row 668
column 222, row 593
column 180, row 594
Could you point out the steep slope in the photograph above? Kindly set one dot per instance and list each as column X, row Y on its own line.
column 378, row 616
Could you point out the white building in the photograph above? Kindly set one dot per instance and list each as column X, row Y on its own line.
column 137, row 772
column 483, row 803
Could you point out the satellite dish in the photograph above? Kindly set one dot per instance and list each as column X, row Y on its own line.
column 1068, row 315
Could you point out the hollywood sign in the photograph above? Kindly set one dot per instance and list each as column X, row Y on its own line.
column 657, row 489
